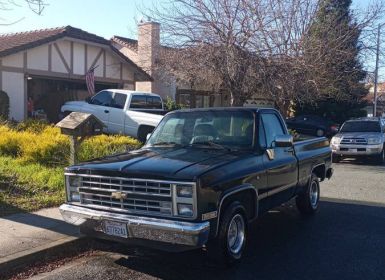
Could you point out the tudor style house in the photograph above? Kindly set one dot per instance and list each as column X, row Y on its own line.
column 49, row 66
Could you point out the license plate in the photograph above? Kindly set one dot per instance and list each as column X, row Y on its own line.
column 115, row 229
column 353, row 150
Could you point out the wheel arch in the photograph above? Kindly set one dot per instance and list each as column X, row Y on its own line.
column 246, row 194
column 319, row 170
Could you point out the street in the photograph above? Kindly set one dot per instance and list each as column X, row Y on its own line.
column 345, row 240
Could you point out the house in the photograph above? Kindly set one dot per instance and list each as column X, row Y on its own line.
column 48, row 67
column 144, row 52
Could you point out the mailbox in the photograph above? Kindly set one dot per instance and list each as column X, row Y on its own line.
column 78, row 126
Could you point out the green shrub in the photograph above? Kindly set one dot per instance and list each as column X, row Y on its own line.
column 4, row 105
column 103, row 145
column 171, row 105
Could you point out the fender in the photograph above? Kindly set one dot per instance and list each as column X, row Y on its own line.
column 231, row 192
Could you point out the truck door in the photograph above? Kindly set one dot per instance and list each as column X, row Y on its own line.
column 117, row 113
column 100, row 106
column 280, row 162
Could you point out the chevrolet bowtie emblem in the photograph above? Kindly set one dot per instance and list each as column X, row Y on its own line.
column 118, row 195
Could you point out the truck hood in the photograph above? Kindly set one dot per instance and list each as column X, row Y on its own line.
column 365, row 135
column 161, row 163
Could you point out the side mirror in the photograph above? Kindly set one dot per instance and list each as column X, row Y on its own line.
column 148, row 136
column 284, row 141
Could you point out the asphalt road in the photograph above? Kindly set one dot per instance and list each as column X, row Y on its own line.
column 345, row 240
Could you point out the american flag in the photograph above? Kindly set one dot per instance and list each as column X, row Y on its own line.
column 90, row 81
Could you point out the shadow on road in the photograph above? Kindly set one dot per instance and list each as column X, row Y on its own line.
column 343, row 241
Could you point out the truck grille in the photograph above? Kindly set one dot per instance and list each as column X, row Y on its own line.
column 354, row 141
column 126, row 195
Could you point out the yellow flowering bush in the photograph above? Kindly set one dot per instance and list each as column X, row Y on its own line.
column 36, row 142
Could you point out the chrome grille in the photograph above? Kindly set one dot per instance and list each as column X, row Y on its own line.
column 353, row 141
column 126, row 195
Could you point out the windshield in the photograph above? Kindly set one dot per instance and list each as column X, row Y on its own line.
column 214, row 129
column 361, row 126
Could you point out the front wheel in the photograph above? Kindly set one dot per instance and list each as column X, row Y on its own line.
column 230, row 243
column 308, row 201
column 381, row 157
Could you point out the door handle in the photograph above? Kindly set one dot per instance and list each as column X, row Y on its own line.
column 106, row 111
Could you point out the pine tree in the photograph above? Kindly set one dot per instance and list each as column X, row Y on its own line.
column 333, row 45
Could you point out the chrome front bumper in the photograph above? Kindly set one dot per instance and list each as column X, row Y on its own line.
column 357, row 150
column 154, row 229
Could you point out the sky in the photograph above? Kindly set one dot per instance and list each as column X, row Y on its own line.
column 105, row 18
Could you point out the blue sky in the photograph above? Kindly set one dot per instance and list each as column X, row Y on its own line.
column 102, row 17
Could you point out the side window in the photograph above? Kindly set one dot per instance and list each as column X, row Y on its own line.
column 273, row 127
column 119, row 100
column 103, row 98
column 138, row 102
column 154, row 102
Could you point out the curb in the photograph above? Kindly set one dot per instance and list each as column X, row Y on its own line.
column 36, row 255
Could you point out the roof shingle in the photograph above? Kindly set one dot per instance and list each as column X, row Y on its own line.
column 16, row 42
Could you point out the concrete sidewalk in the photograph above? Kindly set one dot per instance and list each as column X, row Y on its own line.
column 25, row 236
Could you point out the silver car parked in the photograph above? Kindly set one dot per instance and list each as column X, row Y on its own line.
column 360, row 137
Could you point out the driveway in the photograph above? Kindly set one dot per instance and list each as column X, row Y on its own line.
column 345, row 240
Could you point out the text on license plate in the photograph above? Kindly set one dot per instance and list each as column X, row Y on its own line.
column 115, row 229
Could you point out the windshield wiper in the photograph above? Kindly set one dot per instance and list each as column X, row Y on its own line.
column 166, row 144
column 211, row 144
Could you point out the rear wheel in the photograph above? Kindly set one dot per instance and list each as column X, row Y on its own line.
column 308, row 201
column 230, row 243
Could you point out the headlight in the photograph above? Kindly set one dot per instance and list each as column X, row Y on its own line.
column 185, row 210
column 72, row 186
column 374, row 141
column 184, row 200
column 336, row 140
column 74, row 181
column 184, row 191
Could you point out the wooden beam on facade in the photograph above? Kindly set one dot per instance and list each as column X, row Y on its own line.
column 85, row 58
column 104, row 64
column 62, row 58
column 72, row 57
column 50, row 57
column 59, row 75
column 96, row 59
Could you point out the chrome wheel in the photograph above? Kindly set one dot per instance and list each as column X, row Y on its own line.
column 314, row 194
column 236, row 234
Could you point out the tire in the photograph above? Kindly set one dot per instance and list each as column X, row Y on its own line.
column 336, row 158
column 308, row 201
column 380, row 159
column 228, row 247
column 143, row 131
column 320, row 132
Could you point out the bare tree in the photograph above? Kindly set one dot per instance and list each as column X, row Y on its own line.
column 37, row 6
column 251, row 47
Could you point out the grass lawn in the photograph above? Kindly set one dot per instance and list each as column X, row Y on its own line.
column 29, row 186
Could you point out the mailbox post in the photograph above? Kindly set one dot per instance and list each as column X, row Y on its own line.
column 79, row 126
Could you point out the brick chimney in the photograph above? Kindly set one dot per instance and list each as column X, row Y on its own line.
column 148, row 47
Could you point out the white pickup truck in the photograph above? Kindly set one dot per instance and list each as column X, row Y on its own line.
column 122, row 111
